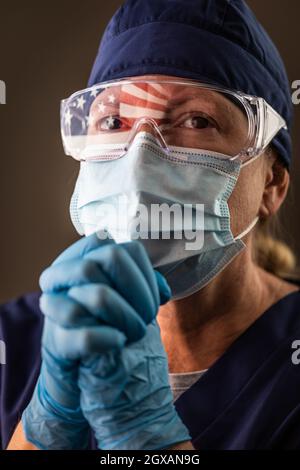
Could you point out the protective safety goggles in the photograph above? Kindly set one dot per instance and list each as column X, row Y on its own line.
column 100, row 122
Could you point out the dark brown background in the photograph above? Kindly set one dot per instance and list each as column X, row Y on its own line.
column 46, row 52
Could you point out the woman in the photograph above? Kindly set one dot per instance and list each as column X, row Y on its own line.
column 203, row 116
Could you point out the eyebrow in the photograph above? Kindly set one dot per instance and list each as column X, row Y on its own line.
column 223, row 107
column 216, row 108
column 184, row 99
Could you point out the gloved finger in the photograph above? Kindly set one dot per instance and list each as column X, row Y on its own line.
column 126, row 278
column 110, row 307
column 83, row 246
column 139, row 255
column 73, row 272
column 164, row 288
column 90, row 305
column 65, row 311
column 78, row 343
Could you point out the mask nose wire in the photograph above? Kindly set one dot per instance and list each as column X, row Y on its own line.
column 143, row 124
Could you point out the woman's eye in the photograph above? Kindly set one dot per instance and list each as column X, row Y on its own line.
column 109, row 123
column 198, row 122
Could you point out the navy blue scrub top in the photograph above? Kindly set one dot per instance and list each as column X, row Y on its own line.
column 249, row 398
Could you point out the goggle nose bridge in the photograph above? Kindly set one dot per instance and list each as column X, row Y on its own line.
column 146, row 120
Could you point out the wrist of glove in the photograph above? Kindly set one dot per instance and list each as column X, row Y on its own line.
column 48, row 424
column 53, row 419
column 127, row 399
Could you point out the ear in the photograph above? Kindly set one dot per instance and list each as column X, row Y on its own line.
column 277, row 180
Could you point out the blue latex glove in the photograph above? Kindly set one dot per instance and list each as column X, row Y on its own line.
column 126, row 396
column 53, row 419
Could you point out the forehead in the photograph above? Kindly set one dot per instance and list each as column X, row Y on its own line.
column 154, row 83
column 159, row 77
column 171, row 94
column 203, row 90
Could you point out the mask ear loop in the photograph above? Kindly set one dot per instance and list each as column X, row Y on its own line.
column 248, row 229
column 254, row 222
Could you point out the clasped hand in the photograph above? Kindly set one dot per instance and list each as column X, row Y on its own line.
column 103, row 362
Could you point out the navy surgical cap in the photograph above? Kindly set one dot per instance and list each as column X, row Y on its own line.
column 216, row 41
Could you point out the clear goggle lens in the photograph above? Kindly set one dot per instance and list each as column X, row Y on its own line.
column 100, row 122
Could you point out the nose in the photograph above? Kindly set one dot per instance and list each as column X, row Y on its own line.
column 146, row 127
column 146, row 124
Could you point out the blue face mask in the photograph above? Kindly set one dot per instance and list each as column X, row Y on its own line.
column 147, row 175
